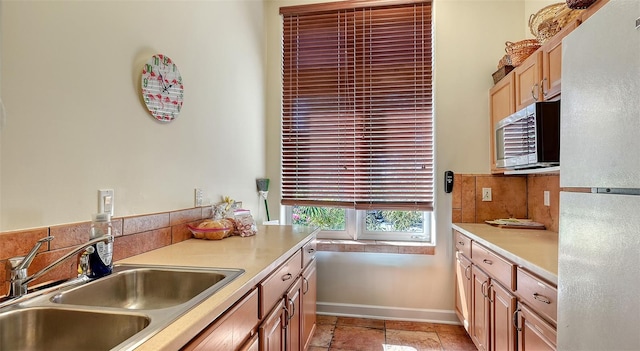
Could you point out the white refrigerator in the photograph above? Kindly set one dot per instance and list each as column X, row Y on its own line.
column 599, row 232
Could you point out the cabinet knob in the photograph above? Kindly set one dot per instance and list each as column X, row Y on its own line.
column 489, row 262
column 287, row 277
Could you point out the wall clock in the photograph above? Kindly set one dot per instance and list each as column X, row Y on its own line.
column 162, row 88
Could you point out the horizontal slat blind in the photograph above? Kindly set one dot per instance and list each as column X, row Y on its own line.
column 357, row 124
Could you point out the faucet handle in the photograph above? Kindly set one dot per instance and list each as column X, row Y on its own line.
column 24, row 262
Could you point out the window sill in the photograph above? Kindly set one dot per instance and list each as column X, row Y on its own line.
column 377, row 246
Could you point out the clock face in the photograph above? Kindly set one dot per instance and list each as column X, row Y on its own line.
column 162, row 88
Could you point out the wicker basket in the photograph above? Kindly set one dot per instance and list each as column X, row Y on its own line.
column 547, row 22
column 520, row 50
column 579, row 4
column 501, row 73
column 504, row 61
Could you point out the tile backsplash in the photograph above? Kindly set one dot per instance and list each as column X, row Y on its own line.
column 512, row 196
column 133, row 235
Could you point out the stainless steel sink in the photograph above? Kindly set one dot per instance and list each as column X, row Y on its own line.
column 117, row 312
column 144, row 288
column 44, row 328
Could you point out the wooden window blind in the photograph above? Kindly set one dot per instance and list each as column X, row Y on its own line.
column 357, row 105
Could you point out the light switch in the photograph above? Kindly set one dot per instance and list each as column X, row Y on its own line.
column 547, row 201
column 106, row 201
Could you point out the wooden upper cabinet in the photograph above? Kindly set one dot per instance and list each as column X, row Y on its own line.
column 501, row 105
column 527, row 81
column 552, row 63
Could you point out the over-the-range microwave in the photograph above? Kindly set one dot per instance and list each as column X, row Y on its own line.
column 530, row 137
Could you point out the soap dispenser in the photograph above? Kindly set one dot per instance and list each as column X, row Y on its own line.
column 100, row 260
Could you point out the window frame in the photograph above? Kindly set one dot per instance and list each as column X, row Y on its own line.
column 355, row 228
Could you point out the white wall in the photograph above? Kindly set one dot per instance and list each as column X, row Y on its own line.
column 470, row 37
column 75, row 121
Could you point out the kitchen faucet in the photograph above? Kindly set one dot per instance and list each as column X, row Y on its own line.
column 18, row 265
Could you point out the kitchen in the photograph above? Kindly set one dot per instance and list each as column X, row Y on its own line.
column 82, row 61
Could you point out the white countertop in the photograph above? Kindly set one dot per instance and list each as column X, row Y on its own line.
column 258, row 255
column 532, row 249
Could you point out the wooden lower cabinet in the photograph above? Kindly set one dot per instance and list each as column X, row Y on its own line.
column 480, row 306
column 293, row 325
column 252, row 344
column 272, row 330
column 231, row 330
column 463, row 289
column 534, row 333
column 502, row 307
column 309, row 297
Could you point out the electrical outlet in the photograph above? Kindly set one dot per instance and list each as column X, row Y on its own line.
column 198, row 195
column 486, row 194
column 106, row 201
column 547, row 201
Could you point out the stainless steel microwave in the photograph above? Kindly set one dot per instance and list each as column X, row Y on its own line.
column 530, row 137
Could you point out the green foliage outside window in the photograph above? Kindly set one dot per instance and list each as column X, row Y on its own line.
column 394, row 221
column 327, row 218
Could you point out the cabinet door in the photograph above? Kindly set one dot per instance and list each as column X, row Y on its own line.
column 552, row 63
column 309, row 297
column 503, row 305
column 293, row 312
column 480, row 305
column 528, row 76
column 272, row 330
column 252, row 344
column 501, row 105
column 463, row 289
column 534, row 334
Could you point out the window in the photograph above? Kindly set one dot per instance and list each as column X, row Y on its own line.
column 357, row 123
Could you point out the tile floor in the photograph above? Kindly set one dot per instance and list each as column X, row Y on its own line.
column 360, row 334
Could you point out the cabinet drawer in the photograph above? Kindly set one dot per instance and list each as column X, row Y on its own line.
column 274, row 286
column 537, row 294
column 541, row 335
column 463, row 243
column 308, row 252
column 497, row 267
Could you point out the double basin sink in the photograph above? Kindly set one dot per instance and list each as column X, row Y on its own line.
column 117, row 312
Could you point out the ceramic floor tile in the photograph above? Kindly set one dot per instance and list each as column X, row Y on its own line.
column 450, row 329
column 321, row 319
column 405, row 325
column 322, row 336
column 316, row 348
column 402, row 340
column 456, row 342
column 357, row 338
column 361, row 322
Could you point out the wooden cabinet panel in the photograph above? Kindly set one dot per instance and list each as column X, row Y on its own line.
column 503, row 306
column 534, row 334
column 552, row 63
column 293, row 310
column 308, row 252
column 272, row 329
column 232, row 329
column 274, row 286
column 496, row 266
column 501, row 105
column 539, row 295
column 309, row 298
column 463, row 289
column 252, row 344
column 463, row 243
column 480, row 305
column 527, row 81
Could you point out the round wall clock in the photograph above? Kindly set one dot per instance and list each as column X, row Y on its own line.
column 162, row 88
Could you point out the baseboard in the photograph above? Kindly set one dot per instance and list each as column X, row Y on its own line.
column 389, row 313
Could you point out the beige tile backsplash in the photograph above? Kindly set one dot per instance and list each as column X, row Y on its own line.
column 513, row 196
